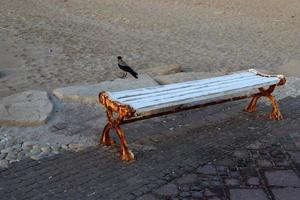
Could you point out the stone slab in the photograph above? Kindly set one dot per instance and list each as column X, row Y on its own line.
column 167, row 190
column 247, row 194
column 89, row 93
column 27, row 108
column 283, row 178
column 286, row 193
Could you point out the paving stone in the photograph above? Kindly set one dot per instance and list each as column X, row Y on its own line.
column 295, row 156
column 247, row 194
column 286, row 193
column 264, row 163
column 207, row 169
column 167, row 190
column 197, row 194
column 253, row 181
column 282, row 178
column 232, row 182
column 189, row 178
column 147, row 197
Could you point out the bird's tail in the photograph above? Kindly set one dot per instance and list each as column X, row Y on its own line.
column 135, row 75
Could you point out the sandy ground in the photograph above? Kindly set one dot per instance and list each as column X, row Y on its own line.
column 49, row 44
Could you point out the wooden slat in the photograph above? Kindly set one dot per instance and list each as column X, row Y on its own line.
column 140, row 91
column 248, row 91
column 200, row 92
column 179, row 90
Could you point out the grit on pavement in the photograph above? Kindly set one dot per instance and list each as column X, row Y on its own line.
column 219, row 152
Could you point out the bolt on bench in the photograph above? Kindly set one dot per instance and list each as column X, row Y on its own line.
column 144, row 103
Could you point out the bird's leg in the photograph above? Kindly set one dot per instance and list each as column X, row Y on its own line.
column 275, row 114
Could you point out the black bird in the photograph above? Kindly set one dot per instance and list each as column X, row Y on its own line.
column 123, row 66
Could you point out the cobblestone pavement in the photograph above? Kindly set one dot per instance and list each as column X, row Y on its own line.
column 243, row 157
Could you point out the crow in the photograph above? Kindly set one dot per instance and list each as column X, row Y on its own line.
column 123, row 66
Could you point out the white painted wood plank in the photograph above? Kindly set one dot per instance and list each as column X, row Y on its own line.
column 186, row 89
column 248, row 91
column 221, row 90
column 197, row 92
column 126, row 93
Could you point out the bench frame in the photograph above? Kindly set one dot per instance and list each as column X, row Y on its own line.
column 125, row 113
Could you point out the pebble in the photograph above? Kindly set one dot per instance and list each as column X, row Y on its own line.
column 5, row 151
column 35, row 151
column 75, row 147
column 65, row 147
column 3, row 163
column 11, row 156
column 35, row 157
column 46, row 149
column 29, row 143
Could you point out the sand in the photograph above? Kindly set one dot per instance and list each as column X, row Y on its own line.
column 49, row 44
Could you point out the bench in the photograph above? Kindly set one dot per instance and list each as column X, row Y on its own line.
column 138, row 104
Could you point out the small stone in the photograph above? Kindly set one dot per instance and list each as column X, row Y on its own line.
column 46, row 149
column 167, row 190
column 28, row 144
column 35, row 157
column 65, row 147
column 5, row 151
column 56, row 149
column 2, row 156
column 21, row 155
column 76, row 147
column 3, row 164
column 11, row 156
column 35, row 151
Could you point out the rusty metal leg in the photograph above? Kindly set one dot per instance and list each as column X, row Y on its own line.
column 252, row 105
column 126, row 154
column 275, row 114
column 105, row 139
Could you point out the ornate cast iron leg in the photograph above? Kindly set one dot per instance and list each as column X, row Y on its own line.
column 126, row 154
column 252, row 105
column 275, row 114
column 105, row 139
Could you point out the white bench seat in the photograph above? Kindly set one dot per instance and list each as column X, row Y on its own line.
column 152, row 100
